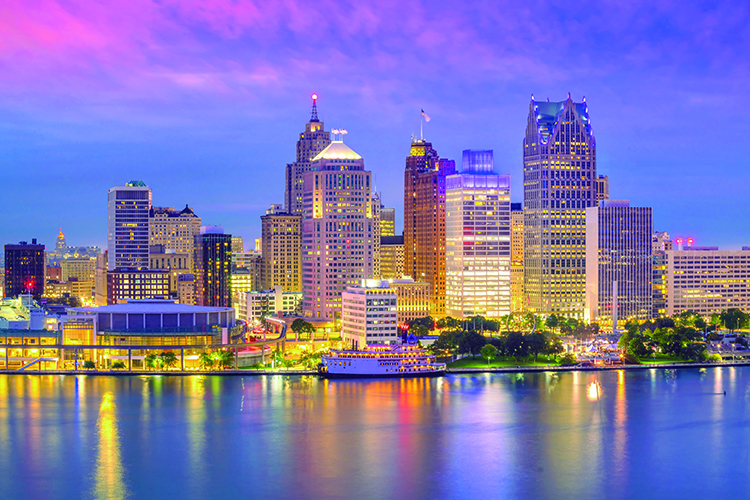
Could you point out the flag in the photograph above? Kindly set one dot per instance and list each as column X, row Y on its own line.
column 426, row 118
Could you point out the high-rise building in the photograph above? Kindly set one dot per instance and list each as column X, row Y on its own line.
column 559, row 159
column 369, row 314
column 478, row 239
column 213, row 261
column 618, row 263
column 336, row 229
column 424, row 220
column 128, row 210
column 128, row 284
column 602, row 187
column 82, row 272
column 392, row 257
column 387, row 222
column 708, row 280
column 660, row 244
column 238, row 246
column 413, row 299
column 176, row 263
column 517, row 299
column 282, row 254
column 24, row 269
column 311, row 142
column 174, row 229
column 376, row 206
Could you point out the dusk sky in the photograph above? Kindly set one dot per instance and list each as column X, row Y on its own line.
column 204, row 100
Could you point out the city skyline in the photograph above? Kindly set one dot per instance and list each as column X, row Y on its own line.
column 205, row 104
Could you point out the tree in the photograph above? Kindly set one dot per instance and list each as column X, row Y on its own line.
column 694, row 351
column 638, row 347
column 700, row 323
column 152, row 361
column 567, row 359
column 300, row 326
column 732, row 318
column 516, row 346
column 448, row 323
column 552, row 322
column 427, row 321
column 205, row 360
column 168, row 359
column 536, row 342
column 118, row 365
column 89, row 365
column 471, row 343
column 489, row 352
column 223, row 358
column 445, row 342
column 554, row 346
column 418, row 330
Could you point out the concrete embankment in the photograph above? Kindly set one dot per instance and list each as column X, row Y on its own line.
column 450, row 371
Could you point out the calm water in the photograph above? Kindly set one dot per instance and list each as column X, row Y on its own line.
column 646, row 434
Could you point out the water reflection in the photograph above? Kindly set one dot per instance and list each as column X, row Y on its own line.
column 109, row 477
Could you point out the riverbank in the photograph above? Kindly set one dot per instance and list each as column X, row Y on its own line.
column 450, row 371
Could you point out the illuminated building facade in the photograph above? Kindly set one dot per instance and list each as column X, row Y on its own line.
column 253, row 306
column 175, row 231
column 413, row 299
column 128, row 209
column 559, row 158
column 391, row 257
column 660, row 244
column 311, row 142
column 337, row 229
column 25, row 267
column 387, row 222
column 81, row 273
column 708, row 281
column 175, row 263
column 424, row 220
column 282, row 250
column 517, row 300
column 478, row 232
column 618, row 262
column 128, row 284
column 238, row 245
column 368, row 314
column 375, row 242
column 602, row 187
column 63, row 251
column 213, row 260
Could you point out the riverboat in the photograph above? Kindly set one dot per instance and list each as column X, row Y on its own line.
column 381, row 361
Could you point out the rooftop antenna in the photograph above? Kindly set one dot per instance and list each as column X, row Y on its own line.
column 314, row 117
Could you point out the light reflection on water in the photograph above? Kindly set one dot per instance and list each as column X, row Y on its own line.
column 532, row 435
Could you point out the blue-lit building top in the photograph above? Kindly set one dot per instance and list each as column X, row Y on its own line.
column 477, row 162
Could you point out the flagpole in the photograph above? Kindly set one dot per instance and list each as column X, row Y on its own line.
column 421, row 121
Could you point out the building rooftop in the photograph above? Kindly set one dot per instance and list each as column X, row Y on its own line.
column 548, row 115
column 154, row 306
column 392, row 240
column 337, row 150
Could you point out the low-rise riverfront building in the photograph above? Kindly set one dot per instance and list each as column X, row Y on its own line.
column 368, row 314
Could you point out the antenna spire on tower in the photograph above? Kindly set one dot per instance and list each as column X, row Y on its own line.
column 314, row 117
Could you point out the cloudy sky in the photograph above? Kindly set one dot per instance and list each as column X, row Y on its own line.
column 204, row 100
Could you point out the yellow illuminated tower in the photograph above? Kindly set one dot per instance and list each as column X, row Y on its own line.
column 559, row 175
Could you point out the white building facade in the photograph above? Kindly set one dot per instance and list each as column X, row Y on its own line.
column 253, row 306
column 708, row 281
column 368, row 314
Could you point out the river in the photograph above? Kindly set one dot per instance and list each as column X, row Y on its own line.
column 657, row 433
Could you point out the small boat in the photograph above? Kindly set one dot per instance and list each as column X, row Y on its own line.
column 381, row 361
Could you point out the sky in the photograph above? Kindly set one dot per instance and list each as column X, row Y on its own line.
column 204, row 100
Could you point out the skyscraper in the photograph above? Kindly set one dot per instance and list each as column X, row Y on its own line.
column 618, row 262
column 478, row 239
column 559, row 159
column 424, row 219
column 661, row 243
column 128, row 210
column 391, row 257
column 376, row 229
column 213, row 261
column 387, row 222
column 24, row 269
column 337, row 229
column 602, row 187
column 282, row 254
column 517, row 297
column 311, row 142
column 175, row 231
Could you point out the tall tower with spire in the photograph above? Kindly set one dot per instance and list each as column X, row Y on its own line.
column 60, row 246
column 311, row 142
